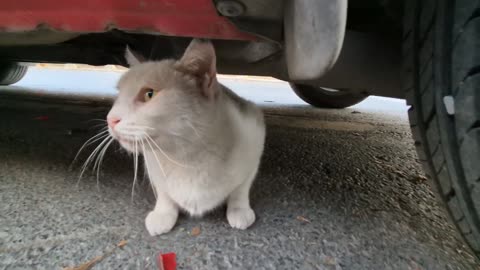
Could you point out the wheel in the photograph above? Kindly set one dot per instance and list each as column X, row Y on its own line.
column 11, row 73
column 442, row 82
column 325, row 98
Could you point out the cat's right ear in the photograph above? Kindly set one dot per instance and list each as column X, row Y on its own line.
column 132, row 57
column 199, row 60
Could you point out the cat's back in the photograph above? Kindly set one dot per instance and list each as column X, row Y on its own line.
column 245, row 108
column 248, row 127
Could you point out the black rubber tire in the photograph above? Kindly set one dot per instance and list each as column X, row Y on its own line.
column 441, row 52
column 11, row 73
column 321, row 98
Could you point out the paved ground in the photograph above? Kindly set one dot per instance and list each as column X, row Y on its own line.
column 336, row 190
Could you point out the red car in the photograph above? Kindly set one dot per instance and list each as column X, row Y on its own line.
column 427, row 52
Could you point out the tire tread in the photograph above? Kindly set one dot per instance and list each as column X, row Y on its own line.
column 11, row 73
column 461, row 194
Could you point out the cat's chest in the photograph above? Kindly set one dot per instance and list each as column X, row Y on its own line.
column 196, row 193
column 196, row 190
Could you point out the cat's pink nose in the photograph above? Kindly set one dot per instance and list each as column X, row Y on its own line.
column 113, row 121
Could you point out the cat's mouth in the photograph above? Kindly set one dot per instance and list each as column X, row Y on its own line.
column 129, row 142
column 126, row 142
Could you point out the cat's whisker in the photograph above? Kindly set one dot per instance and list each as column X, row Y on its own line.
column 141, row 126
column 197, row 133
column 97, row 119
column 100, row 160
column 156, row 157
column 178, row 136
column 103, row 125
column 97, row 160
column 194, row 129
column 138, row 127
column 90, row 158
column 93, row 139
column 132, row 133
column 132, row 128
column 163, row 152
column 146, row 166
column 135, row 166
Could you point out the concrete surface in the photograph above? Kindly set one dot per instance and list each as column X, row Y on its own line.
column 338, row 189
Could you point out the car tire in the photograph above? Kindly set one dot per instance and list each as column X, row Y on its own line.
column 322, row 98
column 441, row 52
column 11, row 73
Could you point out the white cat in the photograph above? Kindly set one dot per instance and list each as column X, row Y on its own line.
column 201, row 142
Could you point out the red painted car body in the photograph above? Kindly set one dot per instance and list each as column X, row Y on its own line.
column 187, row 18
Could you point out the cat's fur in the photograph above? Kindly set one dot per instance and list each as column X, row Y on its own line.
column 206, row 141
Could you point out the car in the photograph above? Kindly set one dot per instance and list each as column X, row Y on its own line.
column 334, row 53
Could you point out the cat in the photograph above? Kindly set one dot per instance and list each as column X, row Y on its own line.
column 201, row 143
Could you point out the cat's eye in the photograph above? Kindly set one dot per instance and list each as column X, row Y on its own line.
column 149, row 93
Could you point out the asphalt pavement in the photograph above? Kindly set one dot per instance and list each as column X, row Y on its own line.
column 337, row 189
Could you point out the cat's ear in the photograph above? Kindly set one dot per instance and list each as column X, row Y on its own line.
column 132, row 57
column 199, row 60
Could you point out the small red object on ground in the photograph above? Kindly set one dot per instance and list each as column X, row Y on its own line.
column 167, row 261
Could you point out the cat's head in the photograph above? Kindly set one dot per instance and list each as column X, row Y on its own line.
column 163, row 98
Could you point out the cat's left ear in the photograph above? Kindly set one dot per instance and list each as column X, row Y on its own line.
column 199, row 60
column 133, row 58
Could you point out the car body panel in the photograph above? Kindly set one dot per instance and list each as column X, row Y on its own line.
column 187, row 18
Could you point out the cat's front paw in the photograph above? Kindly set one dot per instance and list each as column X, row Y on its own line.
column 159, row 223
column 240, row 218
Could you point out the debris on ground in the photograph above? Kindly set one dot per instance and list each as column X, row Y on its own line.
column 167, row 261
column 421, row 178
column 122, row 243
column 381, row 161
column 356, row 112
column 329, row 260
column 88, row 265
column 195, row 231
column 400, row 173
column 303, row 219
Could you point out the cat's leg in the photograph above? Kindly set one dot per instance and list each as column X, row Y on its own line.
column 164, row 215
column 239, row 213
